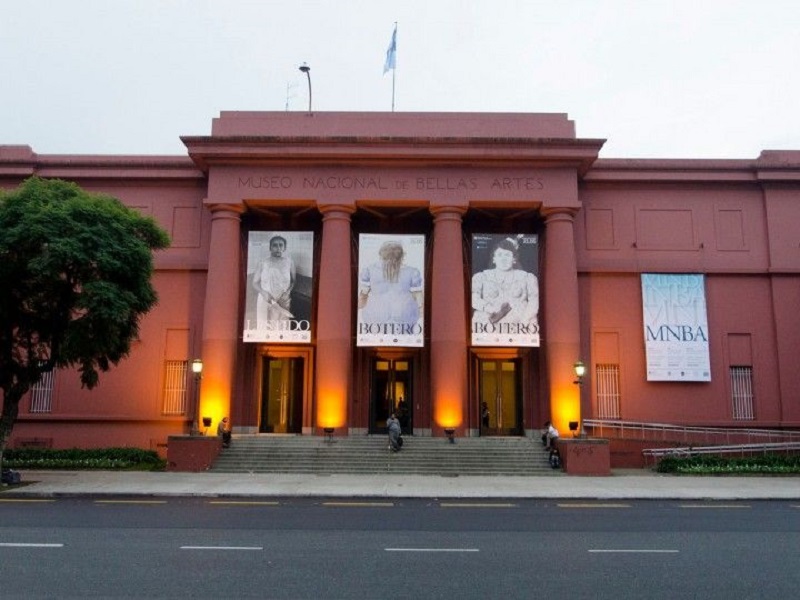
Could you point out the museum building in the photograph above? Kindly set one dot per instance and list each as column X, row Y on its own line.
column 328, row 269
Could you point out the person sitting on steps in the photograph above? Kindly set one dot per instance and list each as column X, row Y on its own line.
column 550, row 436
column 224, row 431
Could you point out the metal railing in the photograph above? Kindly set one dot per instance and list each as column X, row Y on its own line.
column 690, row 435
column 740, row 449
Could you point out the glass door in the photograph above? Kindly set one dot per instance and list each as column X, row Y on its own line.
column 500, row 402
column 281, row 395
column 390, row 391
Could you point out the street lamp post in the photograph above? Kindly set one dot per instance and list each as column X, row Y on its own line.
column 197, row 369
column 307, row 70
column 580, row 371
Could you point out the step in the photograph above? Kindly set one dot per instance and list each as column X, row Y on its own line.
column 370, row 455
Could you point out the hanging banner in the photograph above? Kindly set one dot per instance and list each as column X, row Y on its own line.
column 505, row 290
column 391, row 289
column 279, row 283
column 675, row 327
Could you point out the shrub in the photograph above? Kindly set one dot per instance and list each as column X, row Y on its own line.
column 118, row 459
column 709, row 464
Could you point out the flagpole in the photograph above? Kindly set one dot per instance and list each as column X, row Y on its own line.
column 394, row 70
column 391, row 60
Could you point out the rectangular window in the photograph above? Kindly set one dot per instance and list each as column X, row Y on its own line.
column 742, row 393
column 607, row 385
column 42, row 394
column 176, row 392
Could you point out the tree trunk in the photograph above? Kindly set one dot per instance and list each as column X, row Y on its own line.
column 11, row 399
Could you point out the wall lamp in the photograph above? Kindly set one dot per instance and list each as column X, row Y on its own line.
column 451, row 434
column 580, row 371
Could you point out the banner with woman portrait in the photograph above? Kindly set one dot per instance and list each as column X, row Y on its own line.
column 278, row 287
column 505, row 290
column 391, row 286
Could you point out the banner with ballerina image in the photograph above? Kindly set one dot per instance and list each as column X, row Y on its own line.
column 505, row 290
column 391, row 286
column 278, row 287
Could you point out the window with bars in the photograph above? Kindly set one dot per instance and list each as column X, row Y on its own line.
column 742, row 393
column 176, row 388
column 42, row 394
column 607, row 387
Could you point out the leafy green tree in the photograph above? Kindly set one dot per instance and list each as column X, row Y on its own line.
column 75, row 280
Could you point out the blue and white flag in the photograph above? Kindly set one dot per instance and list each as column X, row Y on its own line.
column 391, row 53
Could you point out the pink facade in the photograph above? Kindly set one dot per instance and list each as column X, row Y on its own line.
column 600, row 224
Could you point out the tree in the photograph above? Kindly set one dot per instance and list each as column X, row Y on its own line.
column 75, row 280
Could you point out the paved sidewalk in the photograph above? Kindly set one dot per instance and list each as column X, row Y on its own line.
column 622, row 484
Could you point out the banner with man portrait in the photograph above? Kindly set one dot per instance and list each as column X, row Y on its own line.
column 391, row 290
column 505, row 290
column 279, row 287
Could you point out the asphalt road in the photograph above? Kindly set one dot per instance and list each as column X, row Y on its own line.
column 336, row 548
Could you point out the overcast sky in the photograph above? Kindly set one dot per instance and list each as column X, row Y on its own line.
column 656, row 78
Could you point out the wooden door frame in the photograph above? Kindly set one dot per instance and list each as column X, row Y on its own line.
column 307, row 354
column 478, row 354
column 413, row 356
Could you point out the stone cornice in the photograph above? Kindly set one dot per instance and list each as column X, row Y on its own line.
column 21, row 161
column 398, row 151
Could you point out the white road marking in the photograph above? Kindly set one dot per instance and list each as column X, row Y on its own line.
column 243, row 503
column 32, row 500
column 222, row 547
column 359, row 504
column 715, row 506
column 431, row 550
column 21, row 545
column 593, row 505
column 475, row 505
column 130, row 501
column 633, row 551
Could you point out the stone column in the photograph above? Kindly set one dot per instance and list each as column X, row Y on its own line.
column 221, row 327
column 562, row 316
column 448, row 327
column 334, row 360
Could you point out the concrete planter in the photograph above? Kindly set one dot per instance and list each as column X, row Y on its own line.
column 192, row 453
column 585, row 456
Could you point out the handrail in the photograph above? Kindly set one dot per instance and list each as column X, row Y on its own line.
column 647, row 431
column 736, row 448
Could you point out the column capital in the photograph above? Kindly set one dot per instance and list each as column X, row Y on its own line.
column 441, row 213
column 336, row 211
column 559, row 213
column 218, row 207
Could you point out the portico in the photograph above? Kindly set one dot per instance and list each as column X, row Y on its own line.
column 444, row 177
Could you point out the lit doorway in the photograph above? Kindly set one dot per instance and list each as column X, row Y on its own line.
column 282, row 395
column 391, row 391
column 499, row 390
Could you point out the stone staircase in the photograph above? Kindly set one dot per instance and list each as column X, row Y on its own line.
column 370, row 455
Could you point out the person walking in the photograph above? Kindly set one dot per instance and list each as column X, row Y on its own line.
column 485, row 415
column 393, row 427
